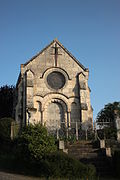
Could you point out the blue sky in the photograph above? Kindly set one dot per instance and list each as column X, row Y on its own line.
column 89, row 29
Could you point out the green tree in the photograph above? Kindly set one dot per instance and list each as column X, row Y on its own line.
column 106, row 118
column 107, row 114
column 35, row 143
column 6, row 101
column 5, row 129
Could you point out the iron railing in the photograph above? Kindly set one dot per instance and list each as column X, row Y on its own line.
column 73, row 131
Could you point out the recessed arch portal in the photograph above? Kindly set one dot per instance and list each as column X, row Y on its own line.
column 55, row 112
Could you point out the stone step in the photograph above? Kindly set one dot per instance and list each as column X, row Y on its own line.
column 86, row 153
column 83, row 155
column 104, row 170
column 87, row 150
column 80, row 150
column 81, row 145
column 103, row 166
column 82, row 142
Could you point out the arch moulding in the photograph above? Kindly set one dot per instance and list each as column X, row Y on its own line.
column 55, row 98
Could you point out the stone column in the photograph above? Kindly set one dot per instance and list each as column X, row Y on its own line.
column 39, row 112
column 66, row 124
column 77, row 131
column 42, row 117
column 66, row 120
column 69, row 119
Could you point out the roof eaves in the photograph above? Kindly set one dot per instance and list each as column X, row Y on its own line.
column 18, row 80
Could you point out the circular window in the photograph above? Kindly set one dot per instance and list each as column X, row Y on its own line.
column 56, row 80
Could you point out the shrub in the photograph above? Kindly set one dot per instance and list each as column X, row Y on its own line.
column 91, row 171
column 37, row 156
column 116, row 163
column 61, row 165
column 35, row 143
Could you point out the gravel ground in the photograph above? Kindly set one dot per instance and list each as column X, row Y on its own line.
column 8, row 176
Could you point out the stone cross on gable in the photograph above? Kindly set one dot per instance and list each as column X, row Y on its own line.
column 56, row 53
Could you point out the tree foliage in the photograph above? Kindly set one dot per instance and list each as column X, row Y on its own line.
column 35, row 142
column 6, row 101
column 107, row 114
column 63, row 166
column 106, row 120
column 116, row 163
column 5, row 129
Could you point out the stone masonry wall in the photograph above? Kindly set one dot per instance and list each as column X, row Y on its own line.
column 39, row 93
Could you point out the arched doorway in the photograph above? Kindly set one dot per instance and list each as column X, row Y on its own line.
column 55, row 116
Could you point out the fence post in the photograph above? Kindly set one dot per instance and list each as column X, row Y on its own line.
column 57, row 134
column 12, row 130
column 95, row 130
column 67, row 132
column 86, row 135
column 76, row 131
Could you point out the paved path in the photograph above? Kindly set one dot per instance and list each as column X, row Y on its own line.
column 9, row 176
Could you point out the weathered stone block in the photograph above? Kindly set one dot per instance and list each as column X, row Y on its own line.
column 82, row 85
column 84, row 106
column 29, row 83
column 61, row 144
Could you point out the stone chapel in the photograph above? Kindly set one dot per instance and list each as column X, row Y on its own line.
column 52, row 89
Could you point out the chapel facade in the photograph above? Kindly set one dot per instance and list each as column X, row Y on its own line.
column 52, row 89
